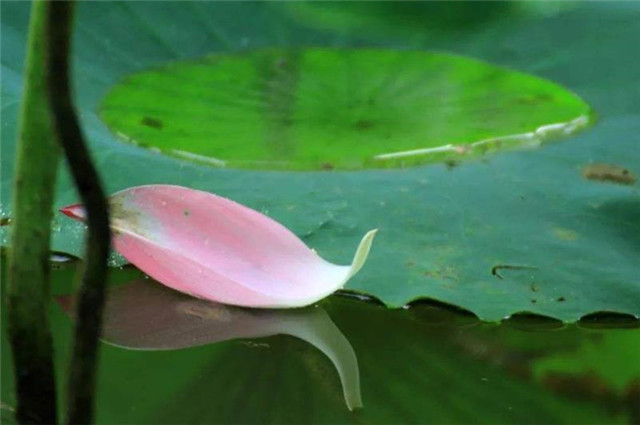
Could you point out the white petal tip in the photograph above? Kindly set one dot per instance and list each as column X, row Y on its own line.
column 362, row 253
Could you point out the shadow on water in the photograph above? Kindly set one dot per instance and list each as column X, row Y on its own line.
column 169, row 358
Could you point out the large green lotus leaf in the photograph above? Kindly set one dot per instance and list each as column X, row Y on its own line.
column 337, row 109
column 426, row 363
column 442, row 229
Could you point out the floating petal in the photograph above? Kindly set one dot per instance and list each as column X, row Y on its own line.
column 213, row 248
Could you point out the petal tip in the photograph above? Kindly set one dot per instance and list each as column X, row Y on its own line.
column 362, row 253
column 75, row 211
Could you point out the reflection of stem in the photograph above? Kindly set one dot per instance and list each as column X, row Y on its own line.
column 91, row 297
column 146, row 315
column 28, row 289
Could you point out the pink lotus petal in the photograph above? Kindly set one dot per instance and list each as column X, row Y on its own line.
column 213, row 248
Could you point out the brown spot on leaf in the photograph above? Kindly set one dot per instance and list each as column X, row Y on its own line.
column 451, row 163
column 442, row 273
column 152, row 122
column 5, row 221
column 364, row 124
column 327, row 166
column 608, row 173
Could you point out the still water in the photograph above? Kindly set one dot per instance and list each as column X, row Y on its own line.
column 169, row 358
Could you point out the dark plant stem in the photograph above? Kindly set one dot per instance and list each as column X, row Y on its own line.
column 91, row 295
column 28, row 291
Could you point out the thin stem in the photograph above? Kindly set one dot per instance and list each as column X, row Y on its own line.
column 91, row 295
column 28, row 291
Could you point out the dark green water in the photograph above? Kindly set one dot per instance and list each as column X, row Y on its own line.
column 423, row 364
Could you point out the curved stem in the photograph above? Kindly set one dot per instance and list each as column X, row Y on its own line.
column 91, row 294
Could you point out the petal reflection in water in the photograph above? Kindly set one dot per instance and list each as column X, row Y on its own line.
column 145, row 315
